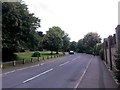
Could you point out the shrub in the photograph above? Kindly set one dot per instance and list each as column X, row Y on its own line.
column 15, row 57
column 36, row 54
column 117, row 62
column 117, row 76
column 8, row 55
column 101, row 53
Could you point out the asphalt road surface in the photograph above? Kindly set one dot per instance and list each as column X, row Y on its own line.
column 70, row 71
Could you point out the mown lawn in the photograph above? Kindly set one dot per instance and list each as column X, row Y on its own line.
column 27, row 55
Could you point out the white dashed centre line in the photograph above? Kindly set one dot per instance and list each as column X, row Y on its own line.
column 75, row 58
column 37, row 75
column 42, row 63
column 64, row 63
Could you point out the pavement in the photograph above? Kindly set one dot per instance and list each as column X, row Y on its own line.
column 71, row 71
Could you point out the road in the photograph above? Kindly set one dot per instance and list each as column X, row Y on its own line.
column 70, row 71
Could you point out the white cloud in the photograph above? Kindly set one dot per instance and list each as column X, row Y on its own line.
column 77, row 17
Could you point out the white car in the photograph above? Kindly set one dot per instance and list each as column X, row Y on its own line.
column 71, row 52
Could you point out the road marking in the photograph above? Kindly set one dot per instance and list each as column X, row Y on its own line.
column 34, row 66
column 13, row 71
column 64, row 63
column 42, row 63
column 75, row 58
column 37, row 75
column 68, row 61
column 76, row 86
column 22, row 68
column 10, row 72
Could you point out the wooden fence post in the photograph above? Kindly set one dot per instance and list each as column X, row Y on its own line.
column 38, row 58
column 1, row 65
column 105, row 49
column 31, row 59
column 14, row 63
column 47, row 57
column 23, row 61
column 109, row 47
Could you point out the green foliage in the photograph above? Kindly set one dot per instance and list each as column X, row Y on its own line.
column 90, row 40
column 101, row 53
column 80, row 46
column 19, row 27
column 15, row 57
column 117, row 76
column 36, row 54
column 88, row 43
column 8, row 55
column 73, row 46
column 55, row 39
column 117, row 62
column 66, row 42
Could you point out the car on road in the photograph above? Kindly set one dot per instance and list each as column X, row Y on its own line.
column 71, row 52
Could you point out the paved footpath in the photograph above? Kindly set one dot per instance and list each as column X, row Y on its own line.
column 97, row 76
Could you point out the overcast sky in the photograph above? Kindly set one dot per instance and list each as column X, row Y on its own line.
column 77, row 17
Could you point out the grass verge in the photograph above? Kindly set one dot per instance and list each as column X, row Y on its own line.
column 26, row 58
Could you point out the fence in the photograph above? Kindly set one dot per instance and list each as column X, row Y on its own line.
column 31, row 60
column 110, row 47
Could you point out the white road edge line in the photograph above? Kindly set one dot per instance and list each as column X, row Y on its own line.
column 37, row 75
column 64, row 63
column 22, row 69
column 76, row 86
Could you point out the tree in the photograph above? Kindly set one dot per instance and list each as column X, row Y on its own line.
column 66, row 42
column 41, row 35
column 53, row 39
column 80, row 46
column 18, row 27
column 98, row 48
column 90, row 40
column 73, row 46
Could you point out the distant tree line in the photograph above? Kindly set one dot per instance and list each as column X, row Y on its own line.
column 90, row 44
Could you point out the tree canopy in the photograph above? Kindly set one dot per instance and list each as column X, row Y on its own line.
column 18, row 28
column 88, row 43
column 73, row 46
column 55, row 39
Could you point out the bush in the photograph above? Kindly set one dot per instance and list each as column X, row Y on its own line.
column 117, row 62
column 117, row 76
column 15, row 57
column 101, row 53
column 36, row 54
column 8, row 55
